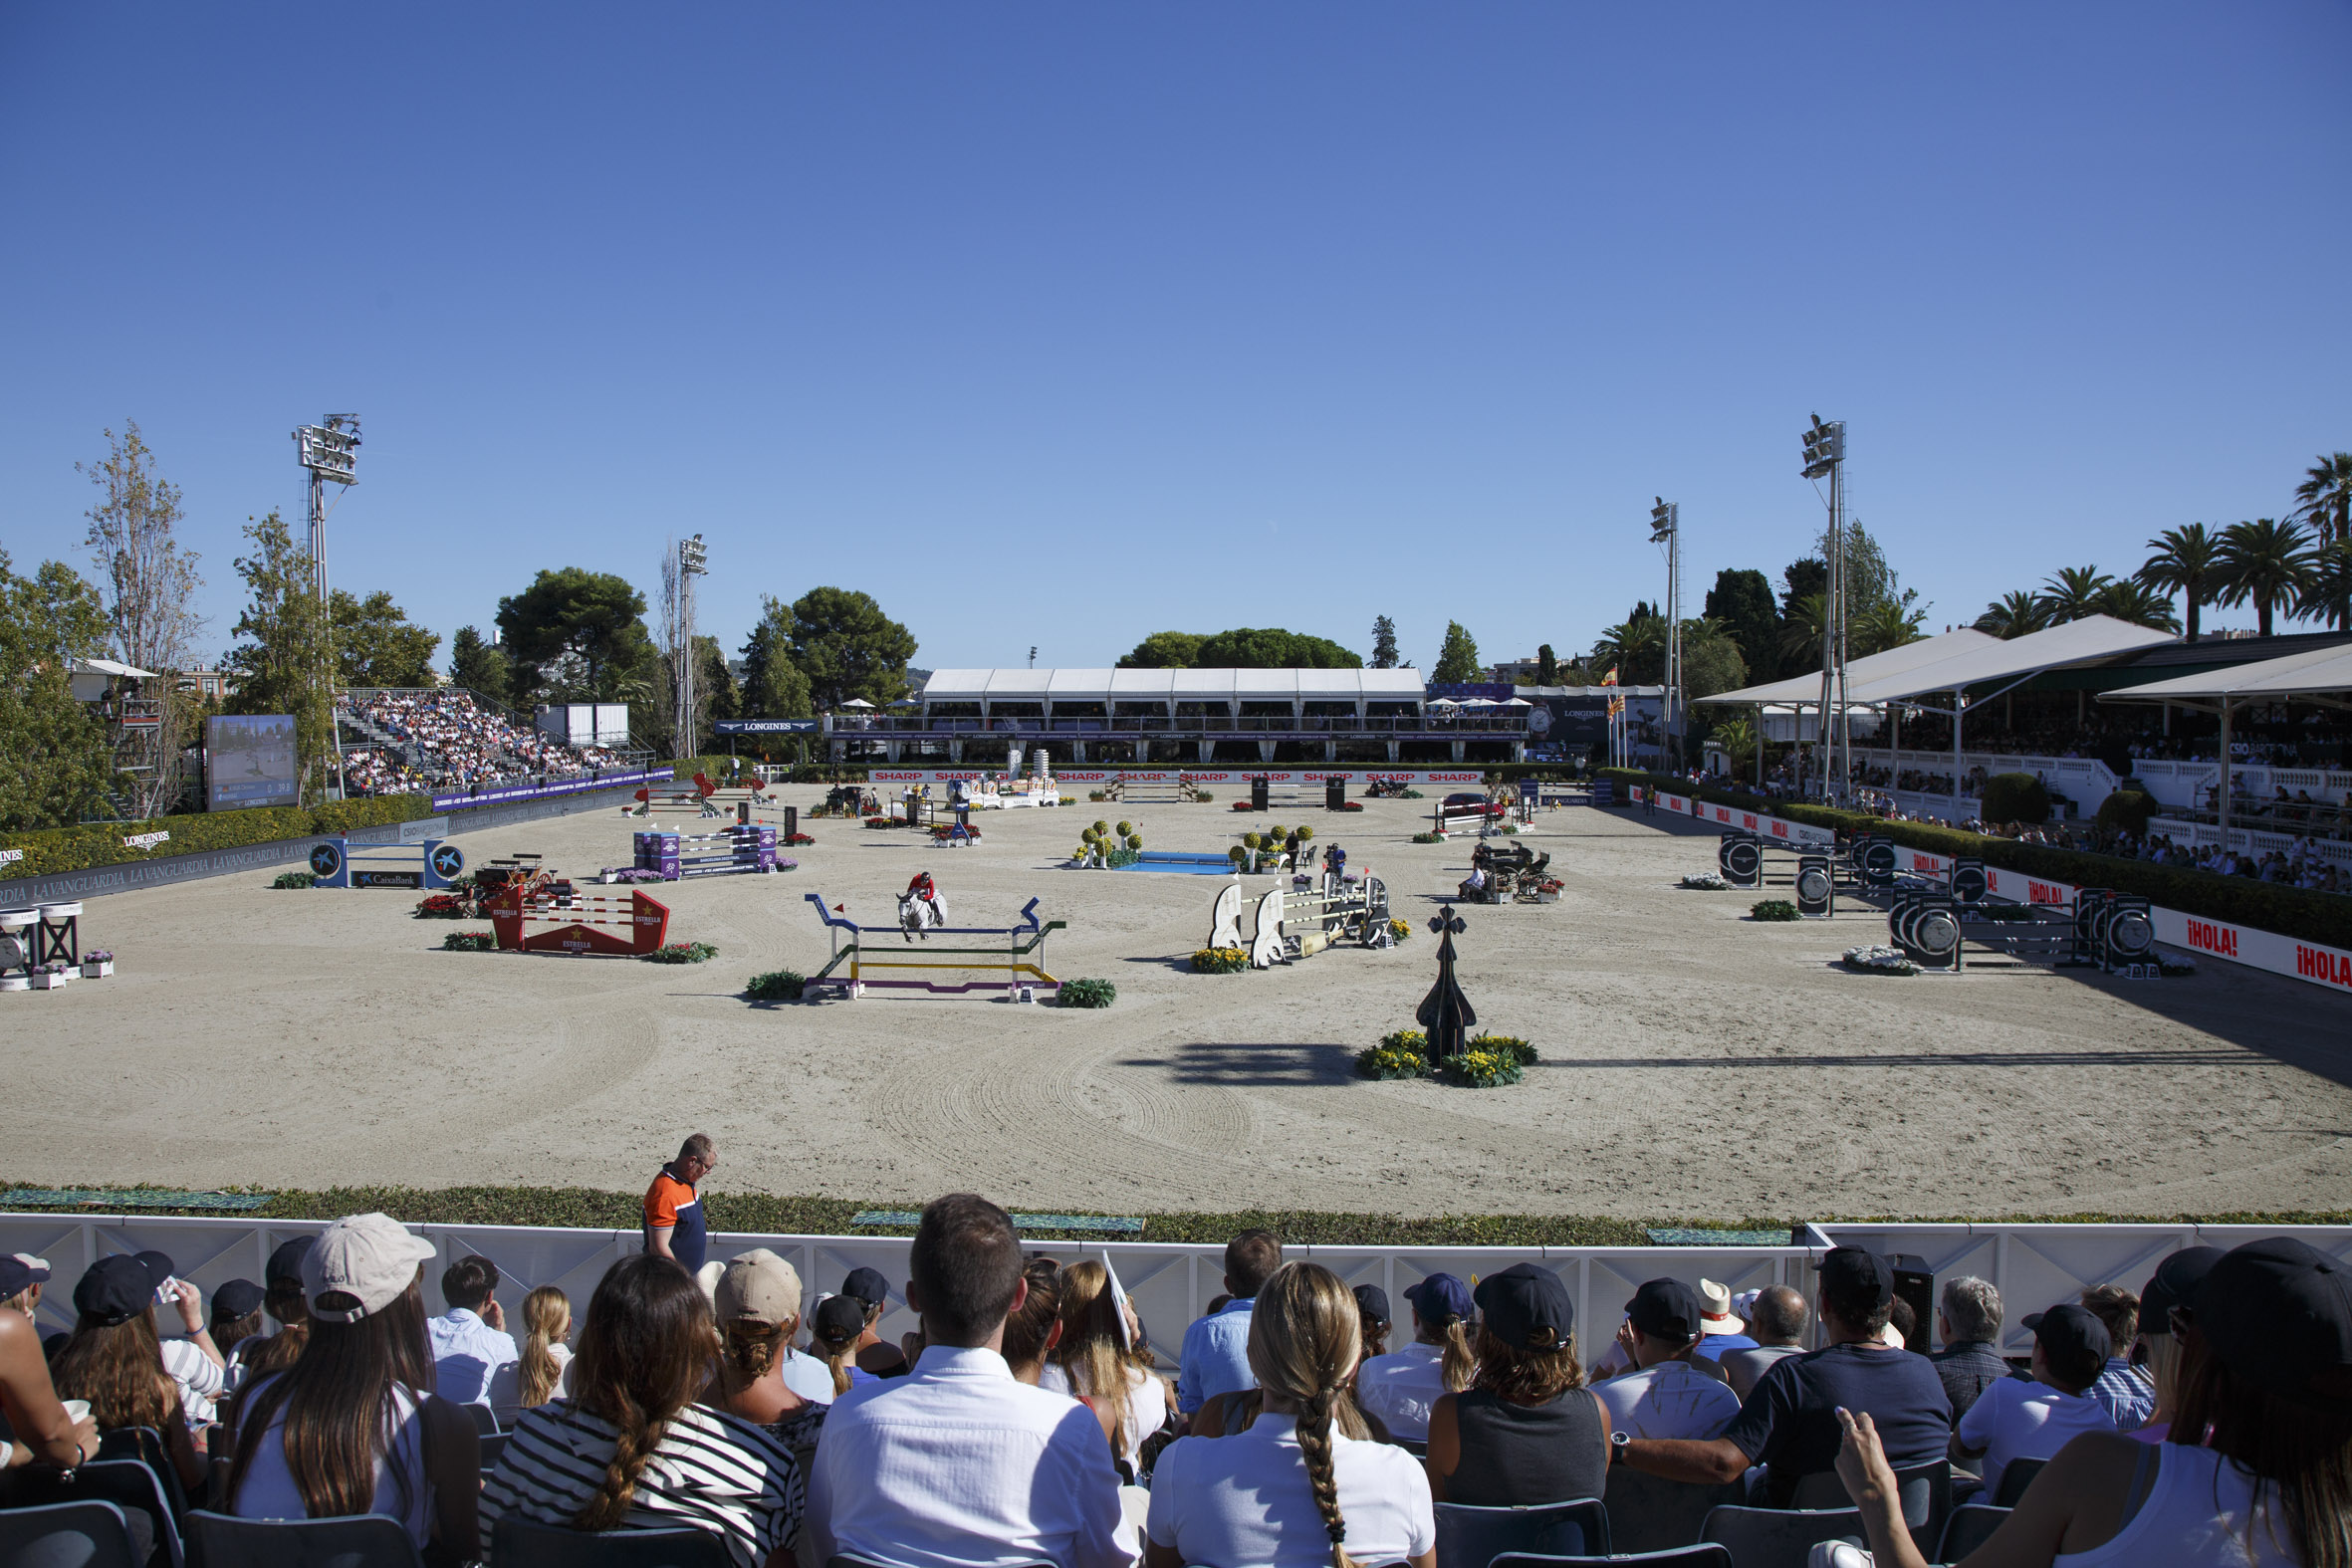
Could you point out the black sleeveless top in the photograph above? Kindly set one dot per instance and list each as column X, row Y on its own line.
column 1519, row 1454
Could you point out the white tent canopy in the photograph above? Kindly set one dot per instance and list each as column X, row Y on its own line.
column 1806, row 690
column 2083, row 641
column 2308, row 673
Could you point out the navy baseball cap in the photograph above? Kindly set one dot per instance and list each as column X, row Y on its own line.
column 1666, row 1309
column 867, row 1285
column 286, row 1263
column 1439, row 1299
column 1527, row 1307
column 1372, row 1302
column 237, row 1298
column 1855, row 1270
column 16, row 1275
column 115, row 1289
column 2173, row 1285
column 841, row 1317
column 2074, row 1339
column 2279, row 1315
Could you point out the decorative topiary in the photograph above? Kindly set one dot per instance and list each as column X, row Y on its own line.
column 2014, row 797
column 2126, row 811
column 1135, row 841
column 1087, row 993
column 1773, row 909
column 1125, row 828
column 778, row 985
column 1237, row 854
column 1100, row 827
column 1252, row 841
column 1220, row 961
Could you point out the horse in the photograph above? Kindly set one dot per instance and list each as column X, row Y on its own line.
column 920, row 915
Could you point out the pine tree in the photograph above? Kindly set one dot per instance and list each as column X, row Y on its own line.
column 1383, row 643
column 1546, row 666
column 1457, row 660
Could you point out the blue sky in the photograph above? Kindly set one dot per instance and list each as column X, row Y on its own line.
column 1057, row 324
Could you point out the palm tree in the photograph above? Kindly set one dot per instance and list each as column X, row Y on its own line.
column 1885, row 624
column 1637, row 647
column 2014, row 615
column 2073, row 592
column 2264, row 563
column 2135, row 601
column 2326, row 504
column 2329, row 587
column 1800, row 628
column 2185, row 563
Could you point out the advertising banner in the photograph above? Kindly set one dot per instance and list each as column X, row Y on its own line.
column 1232, row 777
column 497, row 795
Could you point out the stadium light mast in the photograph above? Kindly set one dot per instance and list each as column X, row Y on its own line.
column 691, row 564
column 1666, row 528
column 1824, row 458
column 329, row 452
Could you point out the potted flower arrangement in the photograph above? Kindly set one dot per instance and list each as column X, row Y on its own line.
column 97, row 964
column 52, row 977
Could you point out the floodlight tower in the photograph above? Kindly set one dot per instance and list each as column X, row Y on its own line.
column 1666, row 528
column 691, row 559
column 1824, row 458
column 329, row 452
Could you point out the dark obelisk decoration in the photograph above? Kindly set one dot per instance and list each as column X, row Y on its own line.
column 1446, row 1014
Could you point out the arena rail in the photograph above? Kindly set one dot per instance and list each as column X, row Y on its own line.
column 2032, row 1265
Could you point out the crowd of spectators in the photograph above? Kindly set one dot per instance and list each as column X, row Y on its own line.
column 452, row 742
column 2206, row 1419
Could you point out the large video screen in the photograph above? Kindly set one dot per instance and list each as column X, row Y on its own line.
column 250, row 761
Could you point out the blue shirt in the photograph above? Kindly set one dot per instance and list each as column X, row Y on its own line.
column 2128, row 1398
column 1714, row 1345
column 1215, row 1358
column 1789, row 1423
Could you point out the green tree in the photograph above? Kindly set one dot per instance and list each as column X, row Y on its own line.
column 1711, row 659
column 1457, row 658
column 148, row 586
column 721, row 698
column 575, row 632
column 1271, row 648
column 2187, row 562
column 2327, row 585
column 2325, row 501
column 1743, row 601
column 2264, row 563
column 849, row 648
column 1886, row 624
column 773, row 685
column 376, row 645
column 55, row 762
column 2071, row 593
column 1636, row 646
column 1166, row 650
column 2014, row 614
column 1800, row 633
column 2130, row 599
column 280, row 667
column 1383, row 643
column 477, row 665
column 1737, row 736
column 1546, row 666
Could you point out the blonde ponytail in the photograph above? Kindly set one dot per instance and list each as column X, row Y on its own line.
column 1459, row 1364
column 1305, row 1337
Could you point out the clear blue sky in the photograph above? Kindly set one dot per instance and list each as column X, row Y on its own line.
column 1060, row 324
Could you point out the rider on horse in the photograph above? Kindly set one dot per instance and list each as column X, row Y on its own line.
column 921, row 900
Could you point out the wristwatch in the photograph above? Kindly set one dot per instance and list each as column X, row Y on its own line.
column 1617, row 1445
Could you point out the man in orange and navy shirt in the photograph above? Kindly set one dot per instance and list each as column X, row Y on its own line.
column 673, row 1207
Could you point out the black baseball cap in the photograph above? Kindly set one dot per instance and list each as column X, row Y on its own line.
column 286, row 1263
column 1527, row 1307
column 15, row 1276
column 2279, row 1315
column 2074, row 1340
column 159, row 1264
column 867, row 1285
column 1666, row 1309
column 1857, row 1271
column 1440, row 1298
column 237, row 1298
column 1372, row 1302
column 841, row 1317
column 115, row 1289
column 2173, row 1285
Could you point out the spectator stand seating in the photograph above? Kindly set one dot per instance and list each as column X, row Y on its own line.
column 519, row 1543
column 1926, row 1490
column 90, row 1535
column 1780, row 1537
column 144, row 1445
column 126, row 1484
column 1470, row 1537
column 2014, row 1478
column 366, row 1540
column 1648, row 1513
column 1709, row 1554
column 1971, row 1524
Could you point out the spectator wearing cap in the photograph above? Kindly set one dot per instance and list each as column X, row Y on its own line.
column 2127, row 1393
column 114, row 1361
column 1790, row 1424
column 2032, row 1419
column 282, row 1299
column 21, row 1277
column 2171, row 1290
column 758, row 1305
column 193, row 1359
column 1401, row 1388
column 2267, row 1381
column 40, row 1428
column 957, row 1464
column 1371, row 1308
column 872, row 1291
column 351, row 1427
column 236, row 1318
column 1967, row 1321
column 470, row 1342
column 1719, row 1328
column 1666, row 1396
column 1526, row 1430
column 674, row 1225
column 834, row 1334
column 1216, row 1355
column 1777, row 1320
column 1099, row 1360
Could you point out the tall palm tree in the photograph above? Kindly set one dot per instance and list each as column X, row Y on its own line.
column 2186, row 561
column 1801, row 630
column 2264, row 563
column 2014, row 614
column 1637, row 647
column 2135, row 601
column 1885, row 624
column 2071, row 593
column 2329, row 587
column 2326, row 504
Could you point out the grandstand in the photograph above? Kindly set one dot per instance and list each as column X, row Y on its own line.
column 451, row 738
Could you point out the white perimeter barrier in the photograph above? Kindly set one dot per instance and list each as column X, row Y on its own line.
column 1279, row 778
column 2292, row 957
column 2033, row 1265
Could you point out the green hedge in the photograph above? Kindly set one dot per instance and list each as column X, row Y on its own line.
column 55, row 849
column 2324, row 918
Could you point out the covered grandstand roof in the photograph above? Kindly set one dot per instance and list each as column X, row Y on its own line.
column 1806, row 688
column 1961, row 660
column 1110, row 685
column 2312, row 671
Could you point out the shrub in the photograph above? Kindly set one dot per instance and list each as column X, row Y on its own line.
column 1399, row 930
column 1125, row 828
column 1252, row 841
column 1113, row 859
column 1482, row 1069
column 1300, row 835
column 2015, row 798
column 1237, row 854
column 89, row 844
column 1087, row 993
column 295, row 879
column 1240, row 806
column 1390, row 1061
column 1094, row 794
column 682, row 953
column 443, row 906
column 2126, row 811
column 778, row 985
column 800, row 838
column 1405, row 1040
column 469, row 942
column 1773, row 909
column 1203, row 795
column 1100, row 827
column 1135, row 841
column 1427, row 838
column 1410, row 794
column 1220, row 961
column 1512, row 1045
column 1351, row 805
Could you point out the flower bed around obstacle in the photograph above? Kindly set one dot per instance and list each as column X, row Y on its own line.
column 1491, row 1060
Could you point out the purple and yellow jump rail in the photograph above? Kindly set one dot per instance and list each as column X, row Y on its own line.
column 1020, row 955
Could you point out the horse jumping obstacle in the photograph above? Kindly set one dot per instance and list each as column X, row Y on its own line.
column 1292, row 925
column 439, row 863
column 587, row 923
column 1021, row 955
column 1450, row 813
column 749, row 847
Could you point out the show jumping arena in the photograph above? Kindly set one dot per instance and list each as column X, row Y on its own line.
column 1694, row 1063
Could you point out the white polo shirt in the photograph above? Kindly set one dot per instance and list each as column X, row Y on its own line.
column 1244, row 1502
column 2017, row 1419
column 1401, row 1386
column 467, row 1353
column 1669, row 1400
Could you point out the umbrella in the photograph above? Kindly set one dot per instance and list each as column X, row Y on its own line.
column 1444, row 701
column 1518, row 701
column 1482, row 702
column 857, row 702
column 908, row 702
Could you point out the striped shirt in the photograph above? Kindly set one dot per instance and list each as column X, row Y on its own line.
column 709, row 1471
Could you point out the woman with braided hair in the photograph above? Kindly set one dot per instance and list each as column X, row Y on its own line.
column 1294, row 1489
column 630, row 1450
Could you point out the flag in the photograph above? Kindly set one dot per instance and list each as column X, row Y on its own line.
column 1118, row 1303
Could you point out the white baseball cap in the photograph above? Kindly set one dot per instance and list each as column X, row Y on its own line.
column 369, row 1257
